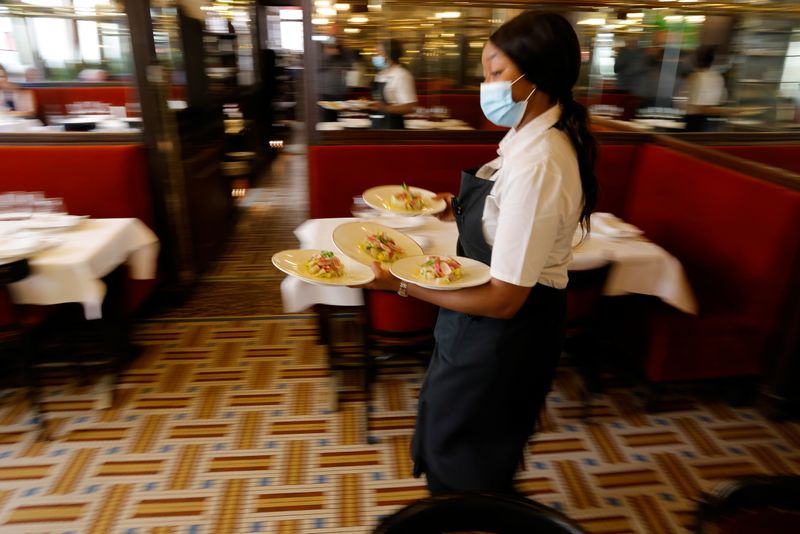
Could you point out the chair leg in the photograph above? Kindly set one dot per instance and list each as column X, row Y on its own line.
column 34, row 392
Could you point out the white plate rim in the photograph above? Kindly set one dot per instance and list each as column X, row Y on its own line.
column 337, row 282
column 35, row 245
column 440, row 206
column 461, row 284
column 67, row 221
column 363, row 258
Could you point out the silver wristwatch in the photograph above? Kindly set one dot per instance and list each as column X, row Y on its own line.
column 403, row 289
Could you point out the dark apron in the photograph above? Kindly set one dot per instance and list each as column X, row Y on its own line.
column 488, row 378
column 384, row 121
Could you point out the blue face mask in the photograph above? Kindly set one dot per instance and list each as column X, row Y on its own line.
column 379, row 62
column 498, row 105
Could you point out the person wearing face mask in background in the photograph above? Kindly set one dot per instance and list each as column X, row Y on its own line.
column 497, row 345
column 393, row 91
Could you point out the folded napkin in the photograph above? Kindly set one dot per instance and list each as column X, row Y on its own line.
column 609, row 225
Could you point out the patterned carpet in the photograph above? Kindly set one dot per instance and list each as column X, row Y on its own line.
column 226, row 424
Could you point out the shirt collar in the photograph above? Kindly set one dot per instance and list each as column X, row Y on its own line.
column 518, row 139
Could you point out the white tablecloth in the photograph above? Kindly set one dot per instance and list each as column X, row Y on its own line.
column 638, row 266
column 71, row 271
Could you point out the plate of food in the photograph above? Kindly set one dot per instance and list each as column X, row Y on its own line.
column 367, row 242
column 403, row 200
column 441, row 272
column 332, row 105
column 322, row 267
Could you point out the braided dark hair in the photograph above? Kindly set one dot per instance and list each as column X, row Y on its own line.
column 545, row 47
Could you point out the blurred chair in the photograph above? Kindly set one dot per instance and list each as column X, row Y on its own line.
column 19, row 326
column 753, row 505
column 398, row 332
column 584, row 292
column 484, row 512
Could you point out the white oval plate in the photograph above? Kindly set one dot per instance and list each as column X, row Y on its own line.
column 380, row 198
column 293, row 263
column 17, row 247
column 42, row 222
column 473, row 272
column 348, row 236
column 356, row 123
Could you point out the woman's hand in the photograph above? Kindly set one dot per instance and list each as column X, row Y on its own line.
column 384, row 280
column 447, row 214
column 376, row 106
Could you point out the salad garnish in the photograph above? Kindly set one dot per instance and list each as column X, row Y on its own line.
column 440, row 270
column 325, row 265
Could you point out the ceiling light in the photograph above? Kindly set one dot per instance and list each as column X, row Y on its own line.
column 326, row 12
column 674, row 18
column 358, row 20
column 351, row 30
column 320, row 21
column 695, row 19
column 341, row 7
column 448, row 15
column 635, row 15
column 322, row 3
column 448, row 35
column 592, row 22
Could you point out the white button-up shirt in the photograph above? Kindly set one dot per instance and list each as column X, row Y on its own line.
column 399, row 88
column 533, row 210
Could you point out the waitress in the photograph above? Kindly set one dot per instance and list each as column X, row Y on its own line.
column 393, row 91
column 497, row 345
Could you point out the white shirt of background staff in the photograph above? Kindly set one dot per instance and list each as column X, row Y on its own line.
column 399, row 88
column 534, row 207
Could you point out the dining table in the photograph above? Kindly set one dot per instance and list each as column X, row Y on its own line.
column 637, row 265
column 67, row 264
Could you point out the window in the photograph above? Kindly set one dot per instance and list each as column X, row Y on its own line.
column 790, row 81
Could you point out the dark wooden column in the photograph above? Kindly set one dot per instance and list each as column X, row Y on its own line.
column 160, row 137
column 310, row 77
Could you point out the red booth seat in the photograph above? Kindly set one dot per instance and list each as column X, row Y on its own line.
column 104, row 181
column 782, row 156
column 736, row 237
column 734, row 234
column 339, row 173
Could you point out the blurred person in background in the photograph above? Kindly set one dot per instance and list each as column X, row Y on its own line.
column 356, row 76
column 631, row 63
column 705, row 91
column 393, row 91
column 13, row 98
column 332, row 83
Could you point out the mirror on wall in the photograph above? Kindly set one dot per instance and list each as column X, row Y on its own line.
column 670, row 69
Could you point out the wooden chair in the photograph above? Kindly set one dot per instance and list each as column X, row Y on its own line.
column 584, row 291
column 752, row 505
column 19, row 329
column 483, row 512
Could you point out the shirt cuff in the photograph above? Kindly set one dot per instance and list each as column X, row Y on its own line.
column 509, row 279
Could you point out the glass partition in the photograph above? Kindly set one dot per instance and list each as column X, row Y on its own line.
column 67, row 66
column 663, row 66
column 65, row 40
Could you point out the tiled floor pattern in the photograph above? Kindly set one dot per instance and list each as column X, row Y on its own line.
column 225, row 424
